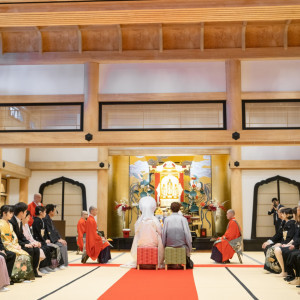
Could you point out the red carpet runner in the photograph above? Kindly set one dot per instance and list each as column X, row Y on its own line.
column 151, row 284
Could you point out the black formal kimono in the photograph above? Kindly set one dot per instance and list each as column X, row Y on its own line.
column 38, row 229
column 290, row 256
column 284, row 236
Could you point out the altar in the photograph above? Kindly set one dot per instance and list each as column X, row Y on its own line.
column 169, row 183
column 184, row 179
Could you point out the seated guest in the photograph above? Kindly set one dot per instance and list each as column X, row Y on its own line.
column 9, row 256
column 290, row 252
column 284, row 235
column 278, row 248
column 29, row 237
column 53, row 236
column 38, row 228
column 37, row 198
column 176, row 232
column 97, row 247
column 277, row 236
column 22, row 269
column 222, row 249
column 4, row 279
column 16, row 221
column 81, row 230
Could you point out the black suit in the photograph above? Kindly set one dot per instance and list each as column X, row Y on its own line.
column 33, row 252
column 275, row 215
column 10, row 258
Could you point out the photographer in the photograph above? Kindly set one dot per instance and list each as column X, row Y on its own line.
column 274, row 210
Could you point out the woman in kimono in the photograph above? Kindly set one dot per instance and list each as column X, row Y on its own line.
column 4, row 279
column 284, row 235
column 148, row 231
column 22, row 269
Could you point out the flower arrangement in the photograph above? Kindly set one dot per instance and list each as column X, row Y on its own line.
column 121, row 208
column 212, row 205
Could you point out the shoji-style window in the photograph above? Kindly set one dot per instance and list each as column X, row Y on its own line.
column 162, row 115
column 271, row 114
column 41, row 117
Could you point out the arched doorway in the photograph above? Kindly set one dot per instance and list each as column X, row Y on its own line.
column 284, row 189
column 69, row 196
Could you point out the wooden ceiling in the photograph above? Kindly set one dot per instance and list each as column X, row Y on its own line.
column 74, row 32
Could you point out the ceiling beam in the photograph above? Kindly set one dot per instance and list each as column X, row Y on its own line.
column 8, row 168
column 266, row 164
column 150, row 138
column 141, row 12
column 148, row 56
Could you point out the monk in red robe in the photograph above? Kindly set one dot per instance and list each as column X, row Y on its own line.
column 37, row 198
column 222, row 250
column 81, row 229
column 96, row 247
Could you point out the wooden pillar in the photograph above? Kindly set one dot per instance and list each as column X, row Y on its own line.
column 91, row 87
column 236, row 185
column 23, row 189
column 234, row 123
column 233, row 91
column 102, row 197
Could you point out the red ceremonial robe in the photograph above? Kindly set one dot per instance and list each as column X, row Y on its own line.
column 231, row 233
column 31, row 209
column 80, row 231
column 93, row 243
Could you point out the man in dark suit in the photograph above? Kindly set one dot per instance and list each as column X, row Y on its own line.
column 16, row 221
column 9, row 256
column 274, row 210
column 53, row 236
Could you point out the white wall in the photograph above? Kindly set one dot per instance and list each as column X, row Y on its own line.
column 271, row 153
column 14, row 155
column 162, row 77
column 63, row 154
column 41, row 79
column 14, row 188
column 88, row 178
column 249, row 179
column 270, row 75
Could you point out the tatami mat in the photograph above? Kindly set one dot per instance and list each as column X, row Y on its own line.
column 213, row 281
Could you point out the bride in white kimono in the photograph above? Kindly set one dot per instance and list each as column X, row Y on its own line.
column 148, row 231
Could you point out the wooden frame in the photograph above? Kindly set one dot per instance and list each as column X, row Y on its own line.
column 101, row 104
column 63, row 180
column 244, row 102
column 46, row 104
column 255, row 194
